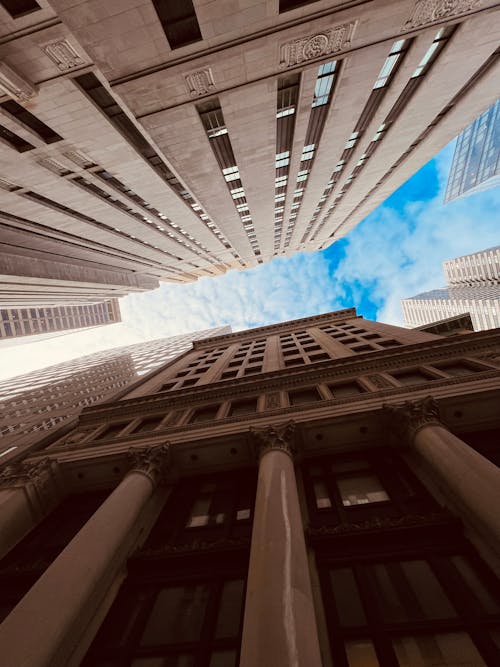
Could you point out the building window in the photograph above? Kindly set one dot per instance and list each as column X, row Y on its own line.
column 344, row 389
column 413, row 612
column 204, row 414
column 112, row 431
column 303, row 396
column 411, row 377
column 149, row 424
column 179, row 21
column 18, row 8
column 361, row 489
column 243, row 407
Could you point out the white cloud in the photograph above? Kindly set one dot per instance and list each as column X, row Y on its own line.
column 395, row 253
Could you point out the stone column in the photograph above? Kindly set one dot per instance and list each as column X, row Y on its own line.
column 279, row 626
column 44, row 629
column 466, row 477
column 28, row 491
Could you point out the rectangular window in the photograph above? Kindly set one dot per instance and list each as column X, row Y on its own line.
column 204, row 414
column 243, row 407
column 361, row 489
column 179, row 21
column 26, row 118
column 448, row 649
column 15, row 141
column 18, row 8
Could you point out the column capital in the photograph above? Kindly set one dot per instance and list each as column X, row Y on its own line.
column 277, row 437
column 409, row 417
column 153, row 461
column 20, row 474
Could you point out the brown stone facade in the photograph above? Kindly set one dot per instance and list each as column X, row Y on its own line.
column 337, row 512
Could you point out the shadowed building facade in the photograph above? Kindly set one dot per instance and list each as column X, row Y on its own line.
column 155, row 140
column 320, row 492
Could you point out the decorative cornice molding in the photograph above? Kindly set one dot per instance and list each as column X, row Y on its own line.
column 278, row 437
column 377, row 523
column 430, row 11
column 318, row 45
column 408, row 418
column 195, row 546
column 153, row 461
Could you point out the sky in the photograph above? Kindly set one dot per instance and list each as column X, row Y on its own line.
column 395, row 252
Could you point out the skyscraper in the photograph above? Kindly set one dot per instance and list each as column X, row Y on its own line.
column 144, row 143
column 41, row 323
column 476, row 161
column 314, row 493
column 42, row 399
column 473, row 287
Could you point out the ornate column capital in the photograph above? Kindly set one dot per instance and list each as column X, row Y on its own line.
column 40, row 481
column 278, row 437
column 153, row 461
column 409, row 417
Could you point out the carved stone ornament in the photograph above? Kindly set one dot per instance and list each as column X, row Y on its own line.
column 273, row 401
column 200, row 82
column 380, row 381
column 429, row 11
column 316, row 46
column 15, row 85
column 151, row 461
column 407, row 419
column 20, row 474
column 63, row 54
column 275, row 438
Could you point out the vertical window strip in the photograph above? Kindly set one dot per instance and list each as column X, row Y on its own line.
column 213, row 122
column 323, row 90
column 392, row 62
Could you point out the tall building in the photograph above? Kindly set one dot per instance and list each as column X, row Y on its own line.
column 319, row 493
column 476, row 161
column 473, row 287
column 42, row 399
column 159, row 140
column 41, row 323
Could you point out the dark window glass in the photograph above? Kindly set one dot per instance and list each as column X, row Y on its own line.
column 17, row 8
column 456, row 369
column 302, row 396
column 345, row 389
column 411, row 377
column 179, row 21
column 112, row 431
column 346, row 596
column 361, row 489
column 228, row 621
column 14, row 140
column 27, row 118
column 204, row 414
column 177, row 616
column 243, row 407
column 149, row 424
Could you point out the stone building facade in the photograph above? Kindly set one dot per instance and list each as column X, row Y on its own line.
column 150, row 140
column 321, row 492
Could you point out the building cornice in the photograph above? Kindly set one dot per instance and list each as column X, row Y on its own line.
column 365, row 364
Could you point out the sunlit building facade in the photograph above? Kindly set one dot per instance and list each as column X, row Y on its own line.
column 41, row 323
column 476, row 161
column 163, row 141
column 321, row 492
column 42, row 399
column 473, row 287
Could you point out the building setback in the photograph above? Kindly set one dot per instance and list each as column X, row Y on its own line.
column 476, row 161
column 43, row 322
column 141, row 143
column 42, row 399
column 473, row 287
column 319, row 493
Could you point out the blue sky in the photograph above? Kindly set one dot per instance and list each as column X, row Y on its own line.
column 396, row 252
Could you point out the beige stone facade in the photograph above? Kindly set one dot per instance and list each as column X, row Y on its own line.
column 316, row 492
column 138, row 145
